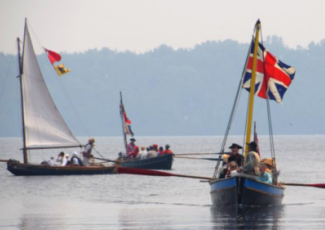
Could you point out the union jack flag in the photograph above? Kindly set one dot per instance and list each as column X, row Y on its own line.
column 273, row 77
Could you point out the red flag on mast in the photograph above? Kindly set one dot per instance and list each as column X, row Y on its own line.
column 53, row 56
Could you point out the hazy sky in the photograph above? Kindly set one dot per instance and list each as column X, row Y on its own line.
column 142, row 25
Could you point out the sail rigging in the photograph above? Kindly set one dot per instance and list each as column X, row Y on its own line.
column 44, row 126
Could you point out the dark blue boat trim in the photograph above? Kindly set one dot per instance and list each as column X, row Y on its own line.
column 164, row 162
column 19, row 169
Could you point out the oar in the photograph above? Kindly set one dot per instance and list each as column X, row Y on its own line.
column 147, row 172
column 201, row 158
column 107, row 160
column 2, row 160
column 188, row 154
column 306, row 185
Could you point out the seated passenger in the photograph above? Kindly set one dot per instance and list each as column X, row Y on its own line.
column 269, row 165
column 142, row 151
column 263, row 175
column 50, row 162
column 161, row 151
column 224, row 169
column 233, row 167
column 152, row 152
column 252, row 161
column 134, row 153
column 167, row 150
column 75, row 159
column 144, row 154
column 65, row 160
column 60, row 157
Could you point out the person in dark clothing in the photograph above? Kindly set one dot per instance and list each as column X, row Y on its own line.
column 234, row 155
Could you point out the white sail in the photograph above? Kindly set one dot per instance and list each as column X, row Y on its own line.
column 44, row 125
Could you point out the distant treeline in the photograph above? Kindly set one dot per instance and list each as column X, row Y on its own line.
column 171, row 92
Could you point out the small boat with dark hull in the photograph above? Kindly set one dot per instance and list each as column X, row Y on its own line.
column 241, row 190
column 42, row 124
column 19, row 169
column 163, row 162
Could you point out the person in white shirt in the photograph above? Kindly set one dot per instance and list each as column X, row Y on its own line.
column 142, row 151
column 65, row 160
column 50, row 162
column 75, row 159
column 87, row 151
column 60, row 158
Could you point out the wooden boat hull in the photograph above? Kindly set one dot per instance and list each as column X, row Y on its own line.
column 19, row 169
column 245, row 191
column 164, row 162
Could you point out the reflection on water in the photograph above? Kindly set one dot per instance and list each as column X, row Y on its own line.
column 247, row 217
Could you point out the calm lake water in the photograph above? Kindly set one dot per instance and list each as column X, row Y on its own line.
column 144, row 202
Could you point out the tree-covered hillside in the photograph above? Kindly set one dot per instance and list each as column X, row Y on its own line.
column 171, row 92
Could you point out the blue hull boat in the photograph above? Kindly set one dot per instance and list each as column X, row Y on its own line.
column 242, row 190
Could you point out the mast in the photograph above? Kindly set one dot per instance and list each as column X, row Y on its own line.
column 123, row 122
column 20, row 64
column 252, row 88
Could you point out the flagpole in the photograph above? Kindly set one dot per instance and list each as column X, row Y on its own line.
column 252, row 89
column 123, row 121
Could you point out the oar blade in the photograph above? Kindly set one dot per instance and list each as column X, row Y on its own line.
column 145, row 172
column 318, row 185
column 306, row 185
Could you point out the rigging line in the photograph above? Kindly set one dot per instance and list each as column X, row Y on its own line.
column 35, row 36
column 73, row 108
column 268, row 110
column 98, row 152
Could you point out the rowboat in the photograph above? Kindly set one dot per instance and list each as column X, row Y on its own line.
column 163, row 162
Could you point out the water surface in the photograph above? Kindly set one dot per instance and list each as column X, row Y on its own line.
column 144, row 202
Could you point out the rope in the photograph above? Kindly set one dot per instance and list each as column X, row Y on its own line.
column 233, row 111
column 98, row 152
column 270, row 124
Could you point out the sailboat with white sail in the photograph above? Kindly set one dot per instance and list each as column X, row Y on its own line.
column 266, row 76
column 43, row 125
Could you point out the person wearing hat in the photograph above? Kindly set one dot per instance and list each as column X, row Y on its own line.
column 234, row 154
column 167, row 150
column 87, row 151
column 130, row 148
column 252, row 161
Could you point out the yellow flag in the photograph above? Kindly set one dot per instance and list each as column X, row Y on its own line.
column 60, row 69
